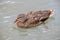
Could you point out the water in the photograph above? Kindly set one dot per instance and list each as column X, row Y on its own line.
column 9, row 11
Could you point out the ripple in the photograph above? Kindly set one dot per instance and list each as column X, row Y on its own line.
column 7, row 17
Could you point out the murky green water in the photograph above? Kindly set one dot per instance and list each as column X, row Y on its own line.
column 9, row 11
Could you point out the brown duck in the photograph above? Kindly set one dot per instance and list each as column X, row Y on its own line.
column 32, row 18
